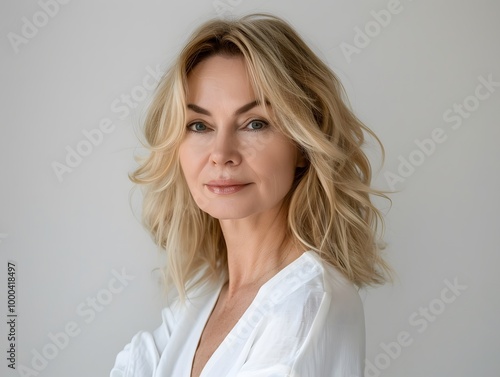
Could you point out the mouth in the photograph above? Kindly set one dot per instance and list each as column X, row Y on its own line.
column 225, row 187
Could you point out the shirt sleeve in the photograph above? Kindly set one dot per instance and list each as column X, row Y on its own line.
column 318, row 333
column 141, row 356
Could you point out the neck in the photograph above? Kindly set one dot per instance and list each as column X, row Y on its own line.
column 257, row 249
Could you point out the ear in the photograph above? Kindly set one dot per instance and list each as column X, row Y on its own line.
column 301, row 158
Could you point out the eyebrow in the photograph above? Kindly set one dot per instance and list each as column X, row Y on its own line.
column 241, row 110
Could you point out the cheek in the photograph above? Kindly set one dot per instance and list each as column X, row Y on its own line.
column 278, row 166
column 187, row 163
column 191, row 161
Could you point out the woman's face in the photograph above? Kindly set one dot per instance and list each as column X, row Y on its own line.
column 236, row 163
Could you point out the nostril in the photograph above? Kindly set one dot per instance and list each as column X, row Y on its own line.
column 225, row 151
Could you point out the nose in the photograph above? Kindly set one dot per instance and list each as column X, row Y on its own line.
column 225, row 149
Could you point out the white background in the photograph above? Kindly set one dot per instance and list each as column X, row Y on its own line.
column 68, row 235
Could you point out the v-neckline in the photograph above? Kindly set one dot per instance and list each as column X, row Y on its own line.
column 210, row 308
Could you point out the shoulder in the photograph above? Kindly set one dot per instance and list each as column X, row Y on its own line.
column 340, row 295
column 317, row 287
column 314, row 322
column 334, row 314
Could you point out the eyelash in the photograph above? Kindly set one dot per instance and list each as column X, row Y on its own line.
column 264, row 123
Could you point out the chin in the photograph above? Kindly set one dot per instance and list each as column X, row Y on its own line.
column 231, row 213
column 226, row 215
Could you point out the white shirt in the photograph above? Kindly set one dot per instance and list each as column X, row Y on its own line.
column 306, row 321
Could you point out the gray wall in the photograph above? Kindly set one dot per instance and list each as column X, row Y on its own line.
column 424, row 75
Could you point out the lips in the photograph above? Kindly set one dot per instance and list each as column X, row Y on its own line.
column 225, row 186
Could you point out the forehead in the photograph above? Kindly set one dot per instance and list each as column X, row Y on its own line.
column 219, row 76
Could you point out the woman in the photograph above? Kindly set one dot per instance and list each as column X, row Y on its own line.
column 257, row 189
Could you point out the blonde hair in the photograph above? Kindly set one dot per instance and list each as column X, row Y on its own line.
column 330, row 210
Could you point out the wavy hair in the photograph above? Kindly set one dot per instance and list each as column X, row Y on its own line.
column 330, row 209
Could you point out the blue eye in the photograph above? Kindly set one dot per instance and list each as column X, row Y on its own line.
column 255, row 125
column 197, row 127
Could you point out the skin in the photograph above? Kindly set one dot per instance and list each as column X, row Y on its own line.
column 239, row 168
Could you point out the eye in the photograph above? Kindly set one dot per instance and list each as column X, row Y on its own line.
column 197, row 127
column 256, row 125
